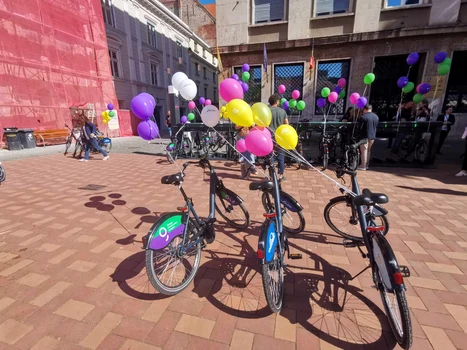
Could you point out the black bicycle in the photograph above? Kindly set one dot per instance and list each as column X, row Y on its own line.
column 326, row 148
column 388, row 275
column 173, row 245
column 180, row 146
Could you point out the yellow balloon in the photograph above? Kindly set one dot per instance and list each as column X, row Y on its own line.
column 262, row 114
column 105, row 121
column 240, row 113
column 286, row 136
column 223, row 108
column 103, row 114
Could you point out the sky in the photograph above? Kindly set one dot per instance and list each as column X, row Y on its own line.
column 204, row 2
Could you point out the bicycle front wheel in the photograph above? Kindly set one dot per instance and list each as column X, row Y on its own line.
column 67, row 146
column 273, row 281
column 235, row 215
column 292, row 221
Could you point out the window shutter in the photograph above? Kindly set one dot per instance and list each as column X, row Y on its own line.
column 269, row 10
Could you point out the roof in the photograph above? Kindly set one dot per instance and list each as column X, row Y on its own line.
column 211, row 9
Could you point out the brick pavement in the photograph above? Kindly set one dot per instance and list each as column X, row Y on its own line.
column 72, row 272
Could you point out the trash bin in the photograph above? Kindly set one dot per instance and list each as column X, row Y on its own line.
column 12, row 139
column 26, row 137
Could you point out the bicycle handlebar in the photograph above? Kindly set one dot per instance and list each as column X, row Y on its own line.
column 341, row 171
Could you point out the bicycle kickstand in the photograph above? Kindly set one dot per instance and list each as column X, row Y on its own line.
column 358, row 274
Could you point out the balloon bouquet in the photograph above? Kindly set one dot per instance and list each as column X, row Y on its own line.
column 108, row 114
column 332, row 97
column 143, row 106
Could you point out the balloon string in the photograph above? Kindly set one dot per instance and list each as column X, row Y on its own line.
column 434, row 97
column 402, row 96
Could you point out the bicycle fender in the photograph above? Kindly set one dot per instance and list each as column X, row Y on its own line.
column 165, row 230
column 338, row 199
column 386, row 260
column 230, row 196
column 289, row 202
column 262, row 239
column 270, row 240
column 379, row 210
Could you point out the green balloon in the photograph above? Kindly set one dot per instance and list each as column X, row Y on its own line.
column 112, row 114
column 245, row 76
column 369, row 78
column 417, row 98
column 325, row 92
column 301, row 104
column 292, row 103
column 409, row 87
column 283, row 99
column 447, row 61
column 342, row 94
column 190, row 116
column 444, row 69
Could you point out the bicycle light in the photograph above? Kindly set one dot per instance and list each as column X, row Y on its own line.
column 398, row 279
column 260, row 254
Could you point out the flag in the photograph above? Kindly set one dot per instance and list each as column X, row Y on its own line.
column 312, row 58
column 265, row 59
column 219, row 64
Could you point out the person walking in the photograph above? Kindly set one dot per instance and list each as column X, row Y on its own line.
column 168, row 123
column 89, row 138
column 369, row 123
column 463, row 171
column 279, row 117
column 448, row 120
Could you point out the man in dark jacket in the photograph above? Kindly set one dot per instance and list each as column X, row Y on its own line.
column 368, row 131
column 89, row 139
column 448, row 120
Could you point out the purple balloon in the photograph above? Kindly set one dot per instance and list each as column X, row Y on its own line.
column 183, row 119
column 337, row 89
column 154, row 129
column 413, row 58
column 148, row 130
column 202, row 100
column 245, row 67
column 321, row 102
column 110, row 106
column 142, row 106
column 244, row 87
column 235, row 76
column 425, row 88
column 440, row 57
column 361, row 102
column 150, row 97
column 285, row 105
column 402, row 82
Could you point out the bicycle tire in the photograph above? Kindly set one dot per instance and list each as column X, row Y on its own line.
column 78, row 149
column 155, row 281
column 274, row 305
column 353, row 160
column 187, row 152
column 334, row 227
column 325, row 159
column 421, row 151
column 229, row 221
column 67, row 146
column 172, row 155
column 2, row 173
column 287, row 228
column 107, row 147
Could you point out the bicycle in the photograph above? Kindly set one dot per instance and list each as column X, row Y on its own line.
column 177, row 236
column 179, row 146
column 388, row 275
column 75, row 134
column 417, row 146
column 2, row 173
column 272, row 243
column 347, row 213
column 326, row 146
column 104, row 142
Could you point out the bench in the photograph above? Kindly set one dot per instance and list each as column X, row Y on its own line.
column 51, row 137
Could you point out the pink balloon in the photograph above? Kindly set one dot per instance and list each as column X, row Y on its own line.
column 208, row 102
column 418, row 88
column 341, row 82
column 258, row 143
column 240, row 145
column 333, row 96
column 354, row 98
column 281, row 88
column 191, row 105
column 230, row 89
column 295, row 94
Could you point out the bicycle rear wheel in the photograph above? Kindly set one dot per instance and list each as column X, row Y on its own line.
column 273, row 281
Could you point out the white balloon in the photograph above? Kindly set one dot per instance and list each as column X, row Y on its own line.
column 210, row 116
column 188, row 89
column 177, row 78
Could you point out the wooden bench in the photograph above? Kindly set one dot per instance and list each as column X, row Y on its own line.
column 51, row 137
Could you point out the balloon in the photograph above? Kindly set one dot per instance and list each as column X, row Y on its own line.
column 245, row 68
column 245, row 76
column 258, row 143
column 105, row 121
column 235, row 76
column 418, row 88
column 402, row 82
column 283, row 99
column 188, row 89
column 208, row 102
column 321, row 102
column 110, row 106
column 325, row 92
column 337, row 89
column 443, row 69
column 440, row 57
column 333, row 96
column 281, row 89
column 292, row 103
column 295, row 94
column 245, row 87
column 104, row 114
column 285, row 105
column 354, row 98
column 361, row 102
column 183, row 119
column 409, row 87
column 202, row 101
column 148, row 130
column 286, row 136
column 240, row 145
column 413, row 58
column 142, row 107
column 369, row 78
column 240, row 112
column 417, row 98
column 112, row 114
column 341, row 82
column 223, row 109
column 230, row 89
column 447, row 61
column 151, row 99
column 301, row 105
column 210, row 116
column 425, row 88
column 342, row 94
column 262, row 115
column 177, row 79
column 191, row 105
column 191, row 116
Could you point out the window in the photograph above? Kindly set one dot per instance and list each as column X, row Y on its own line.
column 331, row 7
column 114, row 63
column 196, row 47
column 456, row 92
column 214, row 80
column 179, row 50
column 214, row 94
column 291, row 75
column 268, row 11
column 329, row 72
column 396, row 3
column 205, row 92
column 152, row 35
column 107, row 12
column 197, row 69
column 205, row 76
column 253, row 94
column 154, row 69
column 204, row 52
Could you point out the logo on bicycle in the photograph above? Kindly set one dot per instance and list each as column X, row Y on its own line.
column 271, row 242
column 164, row 234
column 228, row 198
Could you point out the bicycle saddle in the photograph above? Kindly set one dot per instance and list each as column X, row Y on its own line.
column 174, row 179
column 261, row 185
column 369, row 198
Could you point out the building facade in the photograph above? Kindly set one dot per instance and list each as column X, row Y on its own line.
column 147, row 43
column 349, row 38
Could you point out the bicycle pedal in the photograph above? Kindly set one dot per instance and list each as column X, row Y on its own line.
column 349, row 243
column 404, row 270
column 295, row 256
